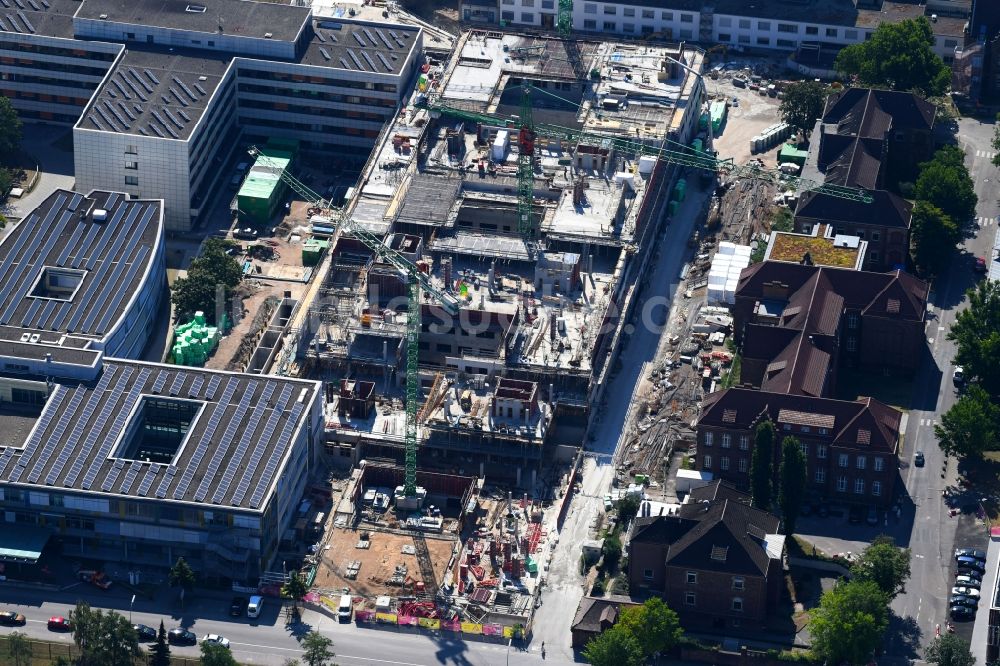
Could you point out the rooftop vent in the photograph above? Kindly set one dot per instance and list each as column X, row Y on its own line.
column 100, row 215
column 103, row 17
column 268, row 35
column 195, row 9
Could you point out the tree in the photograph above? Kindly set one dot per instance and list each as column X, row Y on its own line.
column 6, row 181
column 117, row 641
column 996, row 142
column 761, row 470
column 899, row 55
column 976, row 332
column 849, row 622
column 216, row 262
column 199, row 290
column 85, row 623
column 793, row 482
column 214, row 654
column 970, row 426
column 316, row 649
column 291, row 662
column 628, row 507
column 181, row 576
column 802, row 103
column 944, row 181
column 19, row 649
column 934, row 236
column 884, row 564
column 612, row 551
column 654, row 625
column 159, row 652
column 10, row 130
column 949, row 650
column 615, row 647
column 295, row 588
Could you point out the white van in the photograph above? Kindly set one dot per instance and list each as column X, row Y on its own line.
column 255, row 606
column 345, row 609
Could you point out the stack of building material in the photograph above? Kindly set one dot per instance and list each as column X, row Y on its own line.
column 194, row 341
column 724, row 275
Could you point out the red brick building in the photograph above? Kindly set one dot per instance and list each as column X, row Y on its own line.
column 718, row 562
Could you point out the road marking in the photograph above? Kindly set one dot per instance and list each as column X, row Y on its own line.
column 273, row 647
column 985, row 153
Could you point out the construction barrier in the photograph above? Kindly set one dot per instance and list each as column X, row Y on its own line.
column 429, row 623
column 388, row 618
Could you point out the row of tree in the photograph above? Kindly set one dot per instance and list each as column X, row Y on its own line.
column 945, row 203
column 791, row 476
column 210, row 281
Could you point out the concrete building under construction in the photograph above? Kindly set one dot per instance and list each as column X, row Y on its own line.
column 541, row 313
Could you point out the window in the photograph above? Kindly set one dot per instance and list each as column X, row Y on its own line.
column 687, row 18
column 647, row 574
column 686, row 34
column 852, row 344
column 831, row 32
column 648, row 14
column 726, row 440
column 690, row 599
column 744, row 39
column 805, row 429
column 610, row 26
column 507, row 16
column 763, row 25
column 131, row 149
column 851, row 35
column 820, row 475
column 648, row 30
column 590, row 8
column 708, row 438
column 548, row 4
column 787, row 43
column 692, row 577
column 950, row 43
column 724, row 463
column 742, row 465
column 812, row 30
column 744, row 24
column 873, row 256
column 610, row 10
column 527, row 3
column 805, row 448
column 131, row 165
column 131, row 180
column 725, row 37
column 763, row 41
column 667, row 16
column 628, row 11
column 877, row 488
column 744, row 442
column 725, row 22
column 787, row 426
column 824, row 431
column 737, row 604
column 861, row 462
column 876, row 236
column 841, row 484
column 527, row 17
column 859, row 486
column 788, row 27
column 589, row 24
column 842, row 460
column 628, row 27
column 738, row 583
column 879, row 463
column 861, row 234
column 852, row 320
column 821, row 450
column 708, row 462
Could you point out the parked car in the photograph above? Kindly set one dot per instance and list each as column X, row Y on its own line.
column 855, row 516
column 970, row 552
column 59, row 623
column 974, row 574
column 216, row 638
column 958, row 375
column 961, row 613
column 967, row 581
column 144, row 632
column 962, row 600
column 872, row 517
column 11, row 619
column 918, row 459
column 966, row 562
column 238, row 606
column 181, row 636
column 980, row 266
column 966, row 591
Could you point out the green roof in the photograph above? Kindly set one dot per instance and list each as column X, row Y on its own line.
column 265, row 175
column 23, row 544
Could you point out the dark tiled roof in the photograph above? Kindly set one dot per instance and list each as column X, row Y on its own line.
column 851, row 161
column 886, row 209
column 866, row 112
column 847, row 417
column 718, row 490
column 596, row 615
column 724, row 524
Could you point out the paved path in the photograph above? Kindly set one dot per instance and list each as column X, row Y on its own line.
column 56, row 167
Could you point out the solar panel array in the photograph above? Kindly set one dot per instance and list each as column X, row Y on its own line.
column 280, row 448
column 113, row 474
column 117, row 427
column 258, row 453
column 218, row 411
column 51, row 407
column 371, row 49
column 147, row 480
column 222, row 448
column 250, row 432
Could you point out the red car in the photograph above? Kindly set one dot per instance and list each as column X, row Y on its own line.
column 59, row 623
column 980, row 265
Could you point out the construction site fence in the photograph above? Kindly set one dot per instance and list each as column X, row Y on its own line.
column 567, row 498
column 496, row 630
column 48, row 651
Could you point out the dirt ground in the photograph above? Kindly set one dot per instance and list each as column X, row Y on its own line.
column 753, row 114
column 377, row 562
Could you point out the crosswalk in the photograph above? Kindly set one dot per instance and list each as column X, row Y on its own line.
column 988, row 154
column 984, row 222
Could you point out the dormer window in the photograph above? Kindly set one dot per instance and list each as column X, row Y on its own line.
column 196, row 9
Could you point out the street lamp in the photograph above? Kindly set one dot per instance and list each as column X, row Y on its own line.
column 131, row 603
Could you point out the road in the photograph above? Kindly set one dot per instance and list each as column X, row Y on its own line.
column 268, row 641
column 933, row 535
column 564, row 586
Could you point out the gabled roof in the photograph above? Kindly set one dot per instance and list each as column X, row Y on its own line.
column 851, row 161
column 718, row 490
column 846, row 417
column 886, row 209
column 596, row 615
column 726, row 536
column 871, row 113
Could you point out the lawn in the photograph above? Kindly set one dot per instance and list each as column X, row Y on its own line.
column 893, row 391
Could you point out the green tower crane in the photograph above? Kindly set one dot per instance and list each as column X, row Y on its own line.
column 564, row 21
column 416, row 281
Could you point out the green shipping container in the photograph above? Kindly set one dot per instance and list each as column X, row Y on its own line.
column 262, row 191
column 697, row 145
column 719, row 110
column 792, row 154
column 672, row 208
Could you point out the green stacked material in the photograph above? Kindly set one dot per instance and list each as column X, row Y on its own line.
column 312, row 251
column 672, row 207
column 680, row 190
column 703, row 121
column 697, row 145
column 194, row 341
column 718, row 111
column 531, row 565
column 259, row 198
column 793, row 154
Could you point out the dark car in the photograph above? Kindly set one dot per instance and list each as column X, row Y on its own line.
column 872, row 517
column 975, row 574
column 918, row 459
column 962, row 600
column 181, row 636
column 980, row 265
column 961, row 613
column 238, row 606
column 59, row 623
column 854, row 515
column 144, row 632
column 970, row 552
column 966, row 562
column 11, row 618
